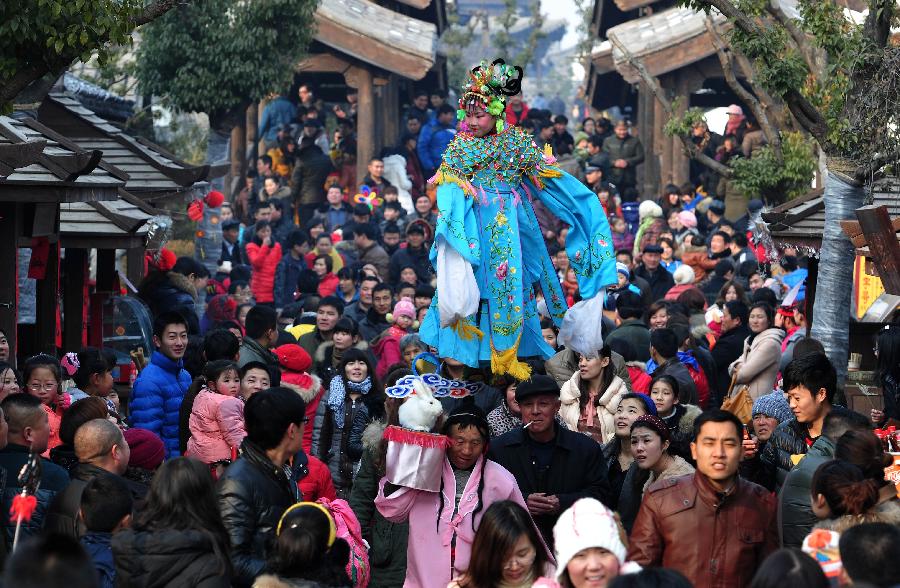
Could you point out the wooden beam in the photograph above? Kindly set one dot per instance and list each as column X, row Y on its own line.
column 854, row 231
column 882, row 238
column 324, row 63
column 369, row 49
column 626, row 5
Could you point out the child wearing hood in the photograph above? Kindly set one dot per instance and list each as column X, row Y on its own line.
column 387, row 345
column 295, row 364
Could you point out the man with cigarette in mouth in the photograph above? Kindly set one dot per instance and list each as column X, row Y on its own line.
column 553, row 466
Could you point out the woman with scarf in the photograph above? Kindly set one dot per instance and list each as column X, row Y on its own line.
column 590, row 398
column 354, row 398
column 757, row 367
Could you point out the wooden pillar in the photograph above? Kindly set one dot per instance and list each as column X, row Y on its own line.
column 680, row 161
column 881, row 236
column 648, row 173
column 10, row 217
column 106, row 286
column 134, row 265
column 75, row 268
column 48, row 301
column 361, row 79
column 235, row 179
column 253, row 114
column 667, row 145
column 390, row 112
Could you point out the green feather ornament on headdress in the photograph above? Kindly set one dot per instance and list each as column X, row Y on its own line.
column 489, row 85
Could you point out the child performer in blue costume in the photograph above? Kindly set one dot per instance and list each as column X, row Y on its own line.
column 489, row 251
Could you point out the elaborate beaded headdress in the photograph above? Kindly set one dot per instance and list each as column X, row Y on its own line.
column 490, row 85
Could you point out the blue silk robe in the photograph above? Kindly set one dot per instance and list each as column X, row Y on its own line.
column 484, row 193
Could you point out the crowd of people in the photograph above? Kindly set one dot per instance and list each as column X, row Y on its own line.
column 251, row 450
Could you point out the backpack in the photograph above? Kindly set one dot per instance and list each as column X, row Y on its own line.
column 349, row 529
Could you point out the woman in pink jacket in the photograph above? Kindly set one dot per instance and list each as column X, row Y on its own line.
column 439, row 550
column 264, row 255
column 217, row 417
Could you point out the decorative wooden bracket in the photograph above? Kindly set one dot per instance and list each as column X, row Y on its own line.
column 878, row 232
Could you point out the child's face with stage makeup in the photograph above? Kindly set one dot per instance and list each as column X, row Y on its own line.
column 480, row 123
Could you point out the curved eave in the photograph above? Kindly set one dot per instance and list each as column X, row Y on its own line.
column 378, row 36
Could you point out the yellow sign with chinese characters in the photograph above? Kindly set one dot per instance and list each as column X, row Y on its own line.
column 866, row 287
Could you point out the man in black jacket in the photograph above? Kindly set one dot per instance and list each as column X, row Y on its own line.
column 102, row 451
column 414, row 255
column 810, row 382
column 658, row 277
column 553, row 466
column 730, row 345
column 255, row 490
column 664, row 351
column 28, row 431
column 311, row 169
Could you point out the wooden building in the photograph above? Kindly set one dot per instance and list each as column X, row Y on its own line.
column 39, row 171
column 106, row 227
column 675, row 46
column 379, row 61
column 152, row 177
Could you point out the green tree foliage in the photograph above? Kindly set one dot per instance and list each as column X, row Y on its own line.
column 219, row 56
column 40, row 37
column 839, row 78
column 763, row 177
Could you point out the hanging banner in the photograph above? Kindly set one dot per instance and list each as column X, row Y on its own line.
column 866, row 288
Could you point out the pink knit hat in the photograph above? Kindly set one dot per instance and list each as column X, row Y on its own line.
column 405, row 307
column 687, row 218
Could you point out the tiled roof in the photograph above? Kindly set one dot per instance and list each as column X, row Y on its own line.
column 802, row 221
column 149, row 167
column 32, row 154
column 125, row 217
column 379, row 36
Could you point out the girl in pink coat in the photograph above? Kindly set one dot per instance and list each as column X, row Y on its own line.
column 439, row 550
column 217, row 417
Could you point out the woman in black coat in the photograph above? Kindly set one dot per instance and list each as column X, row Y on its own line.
column 178, row 539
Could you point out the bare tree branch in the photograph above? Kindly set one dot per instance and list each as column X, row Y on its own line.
column 799, row 37
column 653, row 85
column 21, row 80
column 725, row 58
column 878, row 22
column 802, row 109
column 774, row 107
column 154, row 10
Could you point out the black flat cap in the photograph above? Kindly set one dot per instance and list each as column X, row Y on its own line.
column 538, row 385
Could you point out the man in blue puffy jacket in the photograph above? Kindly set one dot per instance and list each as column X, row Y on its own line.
column 435, row 137
column 160, row 387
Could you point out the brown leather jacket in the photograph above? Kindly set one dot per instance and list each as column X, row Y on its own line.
column 715, row 541
column 698, row 259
